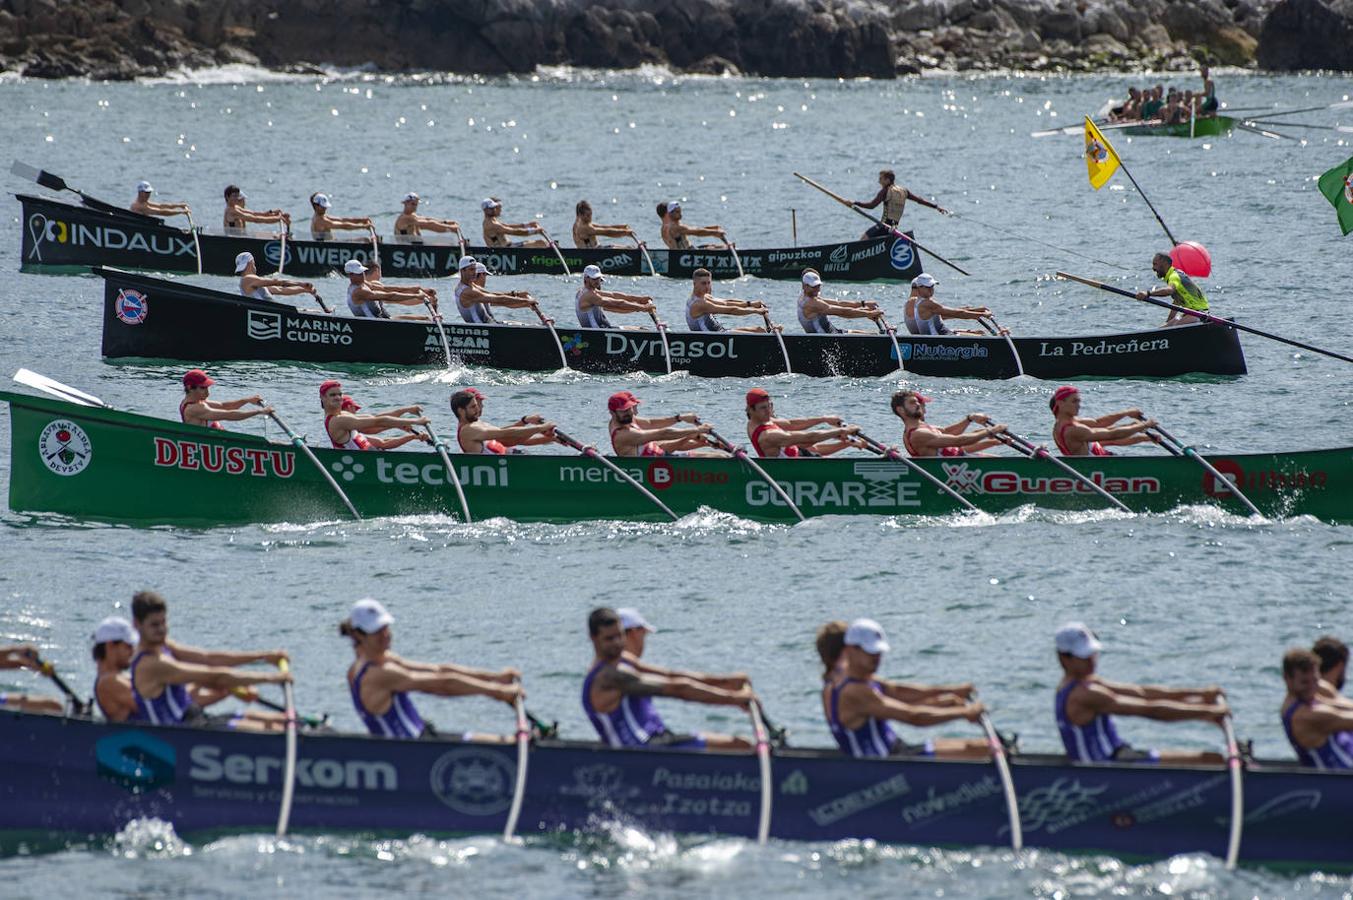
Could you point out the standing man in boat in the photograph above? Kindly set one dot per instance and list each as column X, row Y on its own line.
column 367, row 301
column 380, row 682
column 197, row 409
column 143, row 205
column 591, row 303
column 497, row 232
column 920, row 439
column 814, row 310
column 1075, row 436
column 114, row 647
column 411, row 224
column 260, row 287
column 894, row 198
column 1319, row 731
column 473, row 299
column 677, row 236
column 347, row 431
column 702, row 305
column 925, row 316
column 1180, row 288
column 1333, row 655
column 323, row 225
column 238, row 216
column 586, row 232
column 618, row 696
column 372, row 433
column 633, row 436
column 1209, row 104
column 477, row 436
column 25, row 656
column 792, row 438
column 1085, row 706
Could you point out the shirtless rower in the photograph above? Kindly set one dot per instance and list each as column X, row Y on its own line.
column 380, row 682
column 617, row 695
column 894, row 198
column 633, row 436
column 411, row 224
column 366, row 300
column 702, row 305
column 677, row 236
column 25, row 656
column 591, row 303
column 921, row 439
column 1320, row 731
column 473, row 300
column 1333, row 656
column 372, row 433
column 197, row 409
column 814, row 310
column 497, row 232
column 323, row 225
column 1209, row 105
column 791, row 438
column 114, row 647
column 162, row 671
column 1075, row 436
column 586, row 232
column 1179, row 288
column 348, row 431
column 924, row 315
column 261, row 287
column 237, row 216
column 478, row 436
column 858, row 707
column 1086, row 703
column 143, row 205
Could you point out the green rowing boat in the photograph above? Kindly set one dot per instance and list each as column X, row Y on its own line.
column 97, row 463
column 1211, row 126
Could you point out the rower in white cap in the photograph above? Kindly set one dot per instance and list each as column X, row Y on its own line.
column 143, row 205
column 473, row 300
column 925, row 316
column 260, row 287
column 114, row 647
column 591, row 303
column 365, row 301
column 411, row 224
column 496, row 231
column 677, row 236
column 814, row 309
column 238, row 216
column 323, row 225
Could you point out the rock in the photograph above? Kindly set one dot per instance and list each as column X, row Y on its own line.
column 1308, row 34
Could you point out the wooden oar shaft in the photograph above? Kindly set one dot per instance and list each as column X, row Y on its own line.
column 437, row 320
column 299, row 443
column 591, row 452
column 780, row 339
column 881, row 450
column 523, row 752
column 289, row 771
column 995, row 328
column 49, row 670
column 761, row 473
column 1031, row 450
column 559, row 345
column 557, row 252
column 1007, row 782
column 763, row 762
column 1217, row 476
column 666, row 348
column 440, row 446
column 1236, row 767
column 889, row 330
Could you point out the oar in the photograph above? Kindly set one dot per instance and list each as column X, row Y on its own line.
column 1034, row 452
column 741, row 454
column 1346, row 129
column 559, row 345
column 557, row 252
column 592, row 453
column 523, row 750
column 1207, row 317
column 888, row 329
column 282, row 255
column 780, row 339
column 311, row 721
column 289, row 771
column 1007, row 783
column 895, row 231
column 57, row 389
column 881, row 450
column 1179, row 448
column 1265, row 132
column 437, row 320
column 1342, row 104
column 438, row 443
column 763, row 759
column 1033, row 240
column 57, row 183
column 547, row 729
column 197, row 245
column 643, row 248
column 299, row 443
column 737, row 261
column 322, row 305
column 81, row 707
column 1234, row 763
column 662, row 333
column 995, row 328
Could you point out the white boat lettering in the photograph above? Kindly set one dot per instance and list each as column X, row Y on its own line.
column 835, row 494
column 969, row 479
column 950, row 801
column 211, row 764
column 635, row 349
column 858, row 801
column 110, row 238
column 596, row 475
column 323, row 255
column 711, row 805
column 485, row 474
column 423, row 261
column 973, row 350
column 705, row 781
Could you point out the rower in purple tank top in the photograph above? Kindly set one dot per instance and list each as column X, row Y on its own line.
column 114, row 647
column 1085, row 705
column 1320, row 730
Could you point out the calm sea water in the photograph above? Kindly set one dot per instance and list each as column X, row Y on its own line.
column 1194, row 596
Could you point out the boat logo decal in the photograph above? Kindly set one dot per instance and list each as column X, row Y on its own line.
column 131, row 306
column 135, row 760
column 1287, row 804
column 64, row 447
column 264, row 326
column 840, row 255
column 41, row 229
column 152, row 240
column 1061, row 804
column 1261, row 479
column 347, row 468
column 573, row 344
column 473, row 781
column 661, row 474
column 796, row 784
column 975, row 479
column 942, row 803
column 858, row 801
column 272, row 252
column 902, row 256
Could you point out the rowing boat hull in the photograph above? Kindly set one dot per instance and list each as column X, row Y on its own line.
column 74, row 778
column 1212, row 126
column 158, row 319
column 92, row 463
column 59, row 237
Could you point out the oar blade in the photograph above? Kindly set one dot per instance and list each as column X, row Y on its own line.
column 46, row 179
column 47, row 385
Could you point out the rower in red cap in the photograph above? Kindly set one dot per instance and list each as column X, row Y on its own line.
column 662, row 436
column 1075, row 436
column 196, row 409
column 921, row 439
column 772, row 437
column 476, row 436
column 349, row 431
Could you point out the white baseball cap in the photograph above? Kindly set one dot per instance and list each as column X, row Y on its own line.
column 242, row 261
column 674, row 206
column 369, row 616
column 115, row 628
column 466, row 262
column 1078, row 640
column 632, row 618
column 320, row 200
column 354, row 267
column 143, row 187
column 481, row 269
column 868, row 636
column 411, row 197
column 594, row 272
column 925, row 279
column 812, row 279
column 489, row 203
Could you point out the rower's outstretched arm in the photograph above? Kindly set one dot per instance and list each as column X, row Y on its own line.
column 809, row 422
column 179, row 671
column 1102, row 699
column 445, row 684
column 632, row 683
column 839, row 308
column 703, row 230
column 503, row 676
column 439, row 225
column 514, row 434
column 611, row 304
column 224, row 657
column 1158, row 692
column 879, row 706
column 732, row 682
column 878, row 198
column 927, row 694
column 1329, row 718
column 613, row 230
column 261, row 218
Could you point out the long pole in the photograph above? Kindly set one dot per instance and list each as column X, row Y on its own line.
column 81, row 707
column 591, row 452
column 282, row 252
column 1007, row 782
column 1234, row 763
column 1185, row 450
column 197, row 245
column 991, row 325
column 523, row 751
column 752, row 464
column 1034, row 452
column 437, row 320
column 666, row 349
column 438, row 443
column 557, row 252
column 888, row 329
column 780, row 339
column 794, row 225
column 643, row 248
column 737, row 260
column 881, row 450
column 559, row 345
column 1122, row 165
column 289, row 771
column 763, row 760
column 299, row 443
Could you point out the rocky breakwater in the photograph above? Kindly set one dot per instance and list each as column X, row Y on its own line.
column 122, row 39
column 1308, row 34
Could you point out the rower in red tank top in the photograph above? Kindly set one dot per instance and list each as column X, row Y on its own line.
column 921, row 439
column 772, row 437
column 347, row 430
column 1075, row 436
column 662, row 436
column 477, row 436
column 196, row 409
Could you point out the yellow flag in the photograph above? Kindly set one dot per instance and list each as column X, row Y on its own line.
column 1101, row 160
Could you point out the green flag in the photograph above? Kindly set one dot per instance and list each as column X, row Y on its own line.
column 1337, row 186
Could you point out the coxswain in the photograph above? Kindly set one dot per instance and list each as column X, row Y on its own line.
column 1333, row 655
column 163, row 673
column 238, row 216
column 497, row 232
column 348, row 431
column 858, row 707
column 1075, row 436
column 591, row 303
column 664, row 436
column 368, row 301
column 473, row 299
column 114, row 647
column 380, row 682
column 411, row 224
column 372, row 433
column 25, row 656
column 586, row 232
column 260, row 287
column 773, row 437
column 677, row 236
column 323, row 225
column 1321, row 732
column 921, row 439
column 197, row 409
column 1209, row 105
column 618, row 696
column 894, row 198
column 1085, row 706
column 1180, row 288
column 143, row 205
column 815, row 311
column 637, row 629
column 702, row 305
column 925, row 316
column 477, row 436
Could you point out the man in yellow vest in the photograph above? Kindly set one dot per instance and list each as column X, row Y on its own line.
column 894, row 198
column 1180, row 288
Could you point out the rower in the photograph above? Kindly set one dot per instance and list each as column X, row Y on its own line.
column 197, row 409
column 417, row 293
column 410, row 224
column 1129, row 109
column 586, row 232
column 894, row 198
column 925, row 316
column 323, row 225
column 238, row 216
column 1180, row 288
column 1319, row 731
column 477, row 436
column 633, row 436
column 701, row 306
column 258, row 287
column 143, row 205
column 375, row 442
column 678, row 236
column 348, row 431
column 830, row 641
column 858, row 706
column 1075, row 436
column 367, row 301
column 1086, row 703
column 114, row 647
column 921, row 439
column 791, row 438
column 637, row 629
column 163, row 670
column 617, row 695
column 473, row 300
column 591, row 303
column 25, row 656
column 380, row 682
column 814, row 310
column 497, row 232
column 1333, row 655
column 1153, row 103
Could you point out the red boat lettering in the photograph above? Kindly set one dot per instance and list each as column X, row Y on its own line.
column 213, row 457
column 256, row 457
column 192, row 456
column 282, row 464
column 166, row 454
column 1268, row 480
column 1014, row 483
column 234, row 461
column 187, row 455
column 660, row 475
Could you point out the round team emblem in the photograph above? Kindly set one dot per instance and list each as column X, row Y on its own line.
column 64, row 447
column 473, row 781
column 902, row 255
column 131, row 307
column 1348, row 188
column 1097, row 151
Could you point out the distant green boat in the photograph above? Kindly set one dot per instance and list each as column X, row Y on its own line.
column 1212, row 126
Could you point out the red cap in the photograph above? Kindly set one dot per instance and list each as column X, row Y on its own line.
column 474, row 392
column 621, row 400
column 349, row 403
column 757, row 395
column 196, row 378
column 1061, row 394
column 327, row 386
